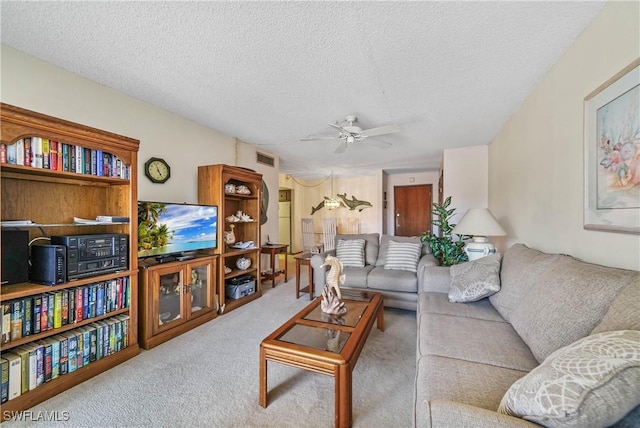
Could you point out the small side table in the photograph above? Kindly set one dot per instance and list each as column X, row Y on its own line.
column 273, row 250
column 301, row 260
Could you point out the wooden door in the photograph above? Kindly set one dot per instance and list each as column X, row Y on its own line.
column 412, row 206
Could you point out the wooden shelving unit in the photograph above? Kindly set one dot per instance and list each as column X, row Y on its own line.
column 51, row 199
column 212, row 180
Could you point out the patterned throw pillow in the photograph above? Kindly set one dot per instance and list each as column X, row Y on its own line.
column 472, row 281
column 403, row 256
column 593, row 382
column 351, row 252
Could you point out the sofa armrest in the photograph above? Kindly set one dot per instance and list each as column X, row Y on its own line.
column 446, row 413
column 434, row 279
column 424, row 262
column 317, row 260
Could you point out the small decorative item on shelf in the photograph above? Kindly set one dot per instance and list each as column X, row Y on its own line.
column 227, row 270
column 229, row 235
column 242, row 190
column 243, row 263
column 229, row 189
column 232, row 219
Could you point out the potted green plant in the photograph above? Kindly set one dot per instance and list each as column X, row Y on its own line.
column 447, row 250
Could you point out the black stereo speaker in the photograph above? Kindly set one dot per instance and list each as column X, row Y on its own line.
column 48, row 264
column 15, row 256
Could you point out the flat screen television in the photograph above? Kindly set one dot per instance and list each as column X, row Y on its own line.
column 172, row 229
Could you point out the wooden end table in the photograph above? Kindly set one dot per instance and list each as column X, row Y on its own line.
column 304, row 260
column 325, row 344
column 272, row 250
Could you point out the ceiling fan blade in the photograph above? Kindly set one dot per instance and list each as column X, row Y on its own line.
column 341, row 148
column 319, row 138
column 381, row 130
column 340, row 128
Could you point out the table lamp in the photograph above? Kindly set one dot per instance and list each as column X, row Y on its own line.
column 478, row 223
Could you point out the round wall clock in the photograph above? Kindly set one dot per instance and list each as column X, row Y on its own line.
column 157, row 170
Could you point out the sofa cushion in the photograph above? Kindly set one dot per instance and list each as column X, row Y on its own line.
column 438, row 303
column 475, row 280
column 403, row 256
column 394, row 280
column 567, row 301
column 476, row 384
column 371, row 246
column 624, row 312
column 350, row 252
column 356, row 277
column 384, row 246
column 521, row 266
column 471, row 339
column 592, row 382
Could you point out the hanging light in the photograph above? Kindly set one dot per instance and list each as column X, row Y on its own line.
column 331, row 203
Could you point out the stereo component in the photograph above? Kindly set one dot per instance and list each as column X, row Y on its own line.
column 15, row 256
column 90, row 255
column 48, row 264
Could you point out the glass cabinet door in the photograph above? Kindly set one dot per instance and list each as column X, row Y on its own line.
column 200, row 298
column 168, row 296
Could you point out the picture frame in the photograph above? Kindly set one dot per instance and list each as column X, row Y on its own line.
column 612, row 154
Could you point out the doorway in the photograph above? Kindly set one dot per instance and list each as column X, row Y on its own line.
column 412, row 209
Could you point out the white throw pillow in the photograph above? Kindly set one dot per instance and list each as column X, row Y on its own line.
column 351, row 252
column 593, row 382
column 472, row 281
column 403, row 256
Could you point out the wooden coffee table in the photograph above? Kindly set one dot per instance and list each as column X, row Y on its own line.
column 325, row 344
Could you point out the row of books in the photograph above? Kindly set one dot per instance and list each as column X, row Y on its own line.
column 27, row 367
column 42, row 312
column 48, row 154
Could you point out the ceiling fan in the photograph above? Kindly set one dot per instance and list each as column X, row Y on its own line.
column 351, row 134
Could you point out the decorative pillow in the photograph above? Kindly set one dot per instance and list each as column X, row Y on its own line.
column 472, row 281
column 592, row 382
column 351, row 252
column 403, row 256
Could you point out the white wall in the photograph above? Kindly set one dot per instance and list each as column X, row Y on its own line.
column 536, row 160
column 407, row 179
column 466, row 178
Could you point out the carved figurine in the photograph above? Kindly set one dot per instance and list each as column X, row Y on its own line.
column 331, row 295
column 230, row 236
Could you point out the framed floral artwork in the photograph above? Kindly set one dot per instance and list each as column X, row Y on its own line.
column 612, row 154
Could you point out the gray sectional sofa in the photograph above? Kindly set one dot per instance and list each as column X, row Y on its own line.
column 469, row 355
column 398, row 287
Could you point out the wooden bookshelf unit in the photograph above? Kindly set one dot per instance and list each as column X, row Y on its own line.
column 51, row 199
column 212, row 182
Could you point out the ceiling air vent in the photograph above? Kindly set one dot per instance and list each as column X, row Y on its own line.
column 265, row 159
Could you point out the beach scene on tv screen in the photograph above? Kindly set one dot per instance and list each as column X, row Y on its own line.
column 165, row 228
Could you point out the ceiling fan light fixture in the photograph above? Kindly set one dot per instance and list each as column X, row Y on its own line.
column 331, row 203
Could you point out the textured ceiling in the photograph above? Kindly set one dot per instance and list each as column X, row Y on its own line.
column 271, row 73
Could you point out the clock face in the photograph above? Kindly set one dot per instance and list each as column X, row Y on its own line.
column 157, row 170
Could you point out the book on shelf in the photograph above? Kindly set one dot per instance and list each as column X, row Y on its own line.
column 15, row 374
column 6, row 322
column 4, row 380
column 112, row 219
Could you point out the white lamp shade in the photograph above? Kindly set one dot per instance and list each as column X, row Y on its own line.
column 478, row 222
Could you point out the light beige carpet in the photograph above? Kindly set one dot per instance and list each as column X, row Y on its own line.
column 209, row 377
